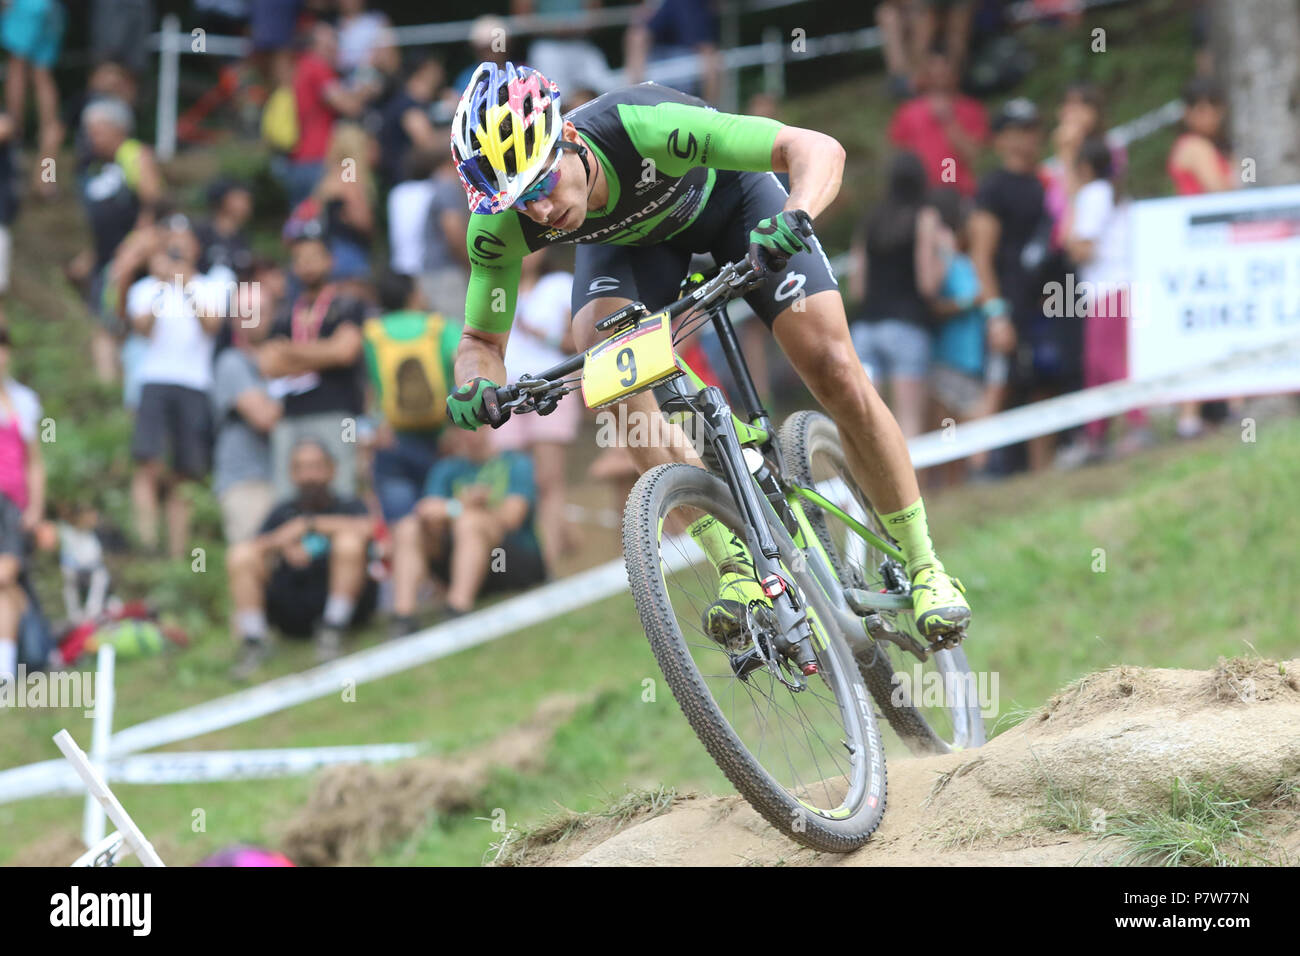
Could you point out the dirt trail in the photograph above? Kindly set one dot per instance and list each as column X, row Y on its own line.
column 1112, row 743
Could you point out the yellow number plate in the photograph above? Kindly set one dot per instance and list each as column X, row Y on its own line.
column 636, row 359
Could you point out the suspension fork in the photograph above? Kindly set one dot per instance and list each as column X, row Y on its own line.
column 792, row 620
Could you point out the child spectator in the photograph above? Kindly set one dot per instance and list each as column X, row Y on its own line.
column 178, row 310
column 474, row 529
column 410, row 354
column 81, row 562
column 305, row 573
column 540, row 338
column 313, row 354
column 957, row 377
column 22, row 500
column 1096, row 238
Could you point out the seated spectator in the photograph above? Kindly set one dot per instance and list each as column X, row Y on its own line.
column 178, row 310
column 942, row 126
column 540, row 338
column 673, row 28
column 120, row 191
column 245, row 415
column 473, row 529
column 223, row 239
column 313, row 355
column 410, row 354
column 406, row 124
column 22, row 500
column 305, row 573
column 567, row 57
column 408, row 212
column 898, row 269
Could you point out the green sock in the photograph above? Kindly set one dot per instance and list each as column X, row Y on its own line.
column 725, row 549
column 910, row 530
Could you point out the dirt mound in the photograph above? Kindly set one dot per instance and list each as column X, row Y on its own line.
column 357, row 810
column 1105, row 756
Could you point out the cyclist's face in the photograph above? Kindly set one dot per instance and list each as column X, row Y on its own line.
column 565, row 206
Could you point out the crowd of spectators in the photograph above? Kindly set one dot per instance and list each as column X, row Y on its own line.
column 306, row 387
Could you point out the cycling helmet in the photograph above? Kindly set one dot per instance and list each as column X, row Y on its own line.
column 501, row 137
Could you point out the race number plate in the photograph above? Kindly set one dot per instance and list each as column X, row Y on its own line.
column 638, row 358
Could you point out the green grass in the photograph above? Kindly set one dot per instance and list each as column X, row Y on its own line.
column 1201, row 826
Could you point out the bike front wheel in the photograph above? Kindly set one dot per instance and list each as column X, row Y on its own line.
column 804, row 751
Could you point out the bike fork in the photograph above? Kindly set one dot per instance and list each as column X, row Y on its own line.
column 792, row 620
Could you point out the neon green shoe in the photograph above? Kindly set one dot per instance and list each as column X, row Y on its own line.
column 939, row 602
column 724, row 619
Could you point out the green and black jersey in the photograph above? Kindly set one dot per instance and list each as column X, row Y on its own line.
column 659, row 149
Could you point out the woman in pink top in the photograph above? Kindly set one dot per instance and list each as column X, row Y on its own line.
column 22, row 500
column 1200, row 162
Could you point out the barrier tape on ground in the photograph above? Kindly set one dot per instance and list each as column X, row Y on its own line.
column 1057, row 414
column 212, row 765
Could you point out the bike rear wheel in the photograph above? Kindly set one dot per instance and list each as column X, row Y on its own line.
column 933, row 705
column 810, row 761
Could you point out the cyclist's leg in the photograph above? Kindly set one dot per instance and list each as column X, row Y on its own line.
column 805, row 311
column 605, row 279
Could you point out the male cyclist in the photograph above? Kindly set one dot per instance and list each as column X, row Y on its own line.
column 640, row 178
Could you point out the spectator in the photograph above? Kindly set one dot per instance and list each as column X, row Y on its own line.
column 119, row 30
column 273, row 24
column 673, row 28
column 540, row 338
column 473, row 529
column 108, row 80
column 1096, row 238
column 223, row 240
column 320, row 98
column 1200, row 161
column 408, row 212
column 362, row 33
column 1008, row 212
column 344, row 199
column 22, row 500
column 32, row 33
column 81, row 563
column 444, row 277
column 406, row 120
column 488, row 41
column 305, row 573
column 410, row 354
column 957, row 377
column 942, row 126
column 8, row 206
column 120, row 190
column 314, row 356
column 908, row 29
column 1080, row 117
column 179, row 311
column 245, row 415
column 567, row 57
column 898, row 268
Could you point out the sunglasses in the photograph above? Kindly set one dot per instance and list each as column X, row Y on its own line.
column 543, row 186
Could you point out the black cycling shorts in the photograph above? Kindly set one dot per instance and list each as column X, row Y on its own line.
column 653, row 274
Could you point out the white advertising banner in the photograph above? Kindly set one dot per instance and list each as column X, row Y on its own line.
column 1214, row 275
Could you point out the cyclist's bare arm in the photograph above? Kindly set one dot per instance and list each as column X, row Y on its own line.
column 815, row 163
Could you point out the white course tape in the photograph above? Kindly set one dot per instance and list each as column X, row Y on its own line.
column 209, row 765
column 1067, row 411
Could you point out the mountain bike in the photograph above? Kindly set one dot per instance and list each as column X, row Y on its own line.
column 783, row 700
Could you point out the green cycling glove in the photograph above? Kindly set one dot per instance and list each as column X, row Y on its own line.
column 774, row 240
column 475, row 403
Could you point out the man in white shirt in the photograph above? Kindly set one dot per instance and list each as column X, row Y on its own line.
column 179, row 310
